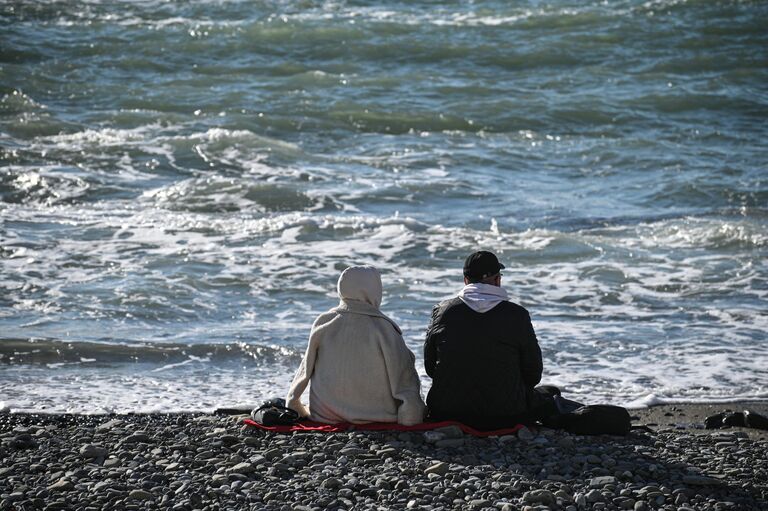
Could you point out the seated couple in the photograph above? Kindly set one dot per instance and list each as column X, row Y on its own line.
column 481, row 353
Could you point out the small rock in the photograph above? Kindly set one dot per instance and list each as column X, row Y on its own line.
column 695, row 480
column 439, row 468
column 433, row 436
column 109, row 425
column 15, row 496
column 111, row 462
column 140, row 495
column 544, row 497
column 273, row 454
column 594, row 496
column 599, row 482
column 387, row 452
column 450, row 431
column 62, row 485
column 563, row 495
column 136, row 438
column 23, row 441
column 353, row 451
column 641, row 505
column 93, row 451
column 628, row 504
column 242, row 468
column 525, row 434
column 332, row 483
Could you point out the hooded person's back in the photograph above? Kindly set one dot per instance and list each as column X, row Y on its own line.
column 358, row 364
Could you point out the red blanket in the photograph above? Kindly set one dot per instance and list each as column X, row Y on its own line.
column 320, row 427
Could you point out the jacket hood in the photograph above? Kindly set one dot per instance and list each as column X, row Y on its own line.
column 362, row 284
column 482, row 297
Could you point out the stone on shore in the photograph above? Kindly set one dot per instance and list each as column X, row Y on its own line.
column 440, row 468
column 525, row 434
column 62, row 485
column 93, row 451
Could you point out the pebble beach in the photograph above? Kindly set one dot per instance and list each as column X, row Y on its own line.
column 211, row 462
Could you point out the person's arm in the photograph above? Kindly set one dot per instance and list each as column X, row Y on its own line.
column 304, row 372
column 404, row 383
column 531, row 364
column 430, row 350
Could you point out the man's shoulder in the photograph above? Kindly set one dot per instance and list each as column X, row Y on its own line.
column 449, row 303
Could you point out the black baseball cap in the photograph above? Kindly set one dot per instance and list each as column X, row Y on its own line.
column 481, row 265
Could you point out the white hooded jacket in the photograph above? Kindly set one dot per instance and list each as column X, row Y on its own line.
column 358, row 364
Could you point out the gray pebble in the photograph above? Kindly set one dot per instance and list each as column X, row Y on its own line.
column 440, row 468
column 599, row 482
column 93, row 451
column 140, row 495
column 544, row 497
column 525, row 434
column 450, row 431
column 62, row 485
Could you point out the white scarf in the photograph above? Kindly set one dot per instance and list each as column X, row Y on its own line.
column 482, row 297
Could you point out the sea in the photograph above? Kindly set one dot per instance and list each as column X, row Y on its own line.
column 181, row 184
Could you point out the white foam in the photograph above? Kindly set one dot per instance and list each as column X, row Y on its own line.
column 614, row 328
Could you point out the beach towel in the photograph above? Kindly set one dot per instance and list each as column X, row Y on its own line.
column 308, row 426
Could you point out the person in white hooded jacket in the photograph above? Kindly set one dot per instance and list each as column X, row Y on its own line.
column 357, row 365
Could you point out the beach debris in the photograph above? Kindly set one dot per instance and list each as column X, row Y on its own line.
column 747, row 418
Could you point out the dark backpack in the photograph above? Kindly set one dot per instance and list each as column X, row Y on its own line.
column 594, row 420
column 274, row 413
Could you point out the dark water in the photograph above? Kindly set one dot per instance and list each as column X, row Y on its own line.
column 182, row 182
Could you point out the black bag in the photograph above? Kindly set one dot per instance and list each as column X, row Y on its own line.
column 274, row 413
column 598, row 420
column 594, row 420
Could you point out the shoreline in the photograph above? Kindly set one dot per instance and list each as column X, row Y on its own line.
column 190, row 461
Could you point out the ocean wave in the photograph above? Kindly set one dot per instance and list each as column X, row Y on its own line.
column 19, row 185
column 218, row 194
column 18, row 102
column 701, row 234
column 58, row 353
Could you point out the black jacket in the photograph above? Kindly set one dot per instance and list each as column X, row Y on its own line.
column 484, row 366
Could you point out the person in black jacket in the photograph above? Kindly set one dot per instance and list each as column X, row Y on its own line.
column 483, row 356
